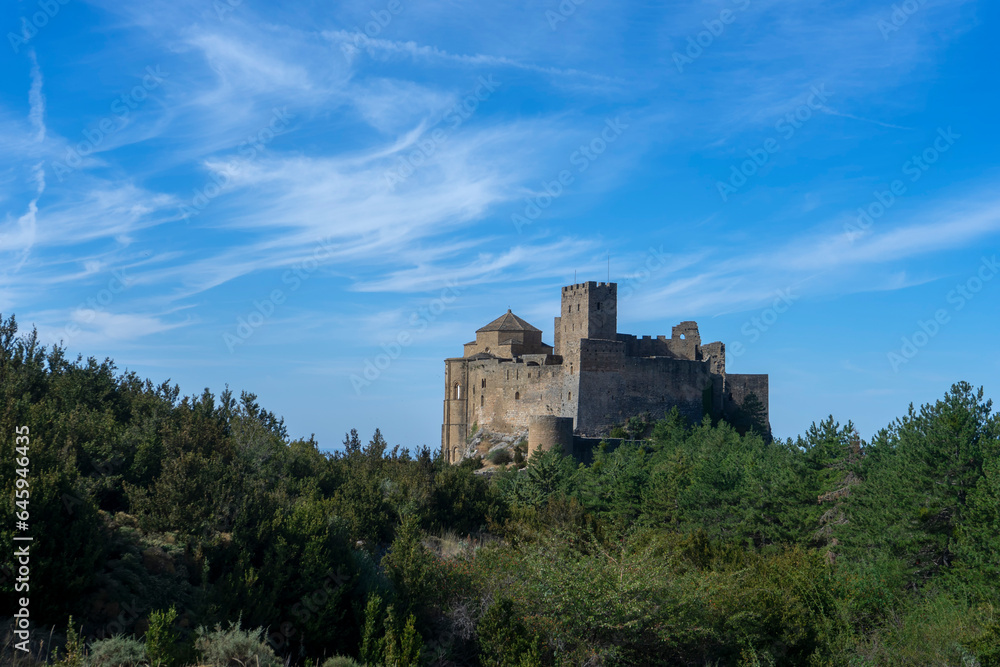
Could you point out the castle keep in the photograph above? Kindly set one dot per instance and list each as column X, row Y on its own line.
column 508, row 381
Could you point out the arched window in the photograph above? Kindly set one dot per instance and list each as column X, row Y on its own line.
column 571, row 369
column 598, row 305
column 570, row 396
column 517, row 396
column 482, row 401
column 484, row 383
column 458, row 391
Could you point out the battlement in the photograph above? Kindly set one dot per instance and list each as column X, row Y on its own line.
column 589, row 310
column 589, row 285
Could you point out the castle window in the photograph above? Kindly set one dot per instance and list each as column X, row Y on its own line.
column 484, row 383
column 571, row 369
column 458, row 391
column 598, row 305
column 569, row 397
column 517, row 396
column 482, row 401
column 578, row 308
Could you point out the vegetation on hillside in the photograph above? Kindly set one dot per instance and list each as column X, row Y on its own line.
column 174, row 530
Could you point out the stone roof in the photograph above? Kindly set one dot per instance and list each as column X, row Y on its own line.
column 508, row 322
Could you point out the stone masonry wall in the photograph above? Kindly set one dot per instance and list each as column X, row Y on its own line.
column 739, row 386
column 504, row 395
column 614, row 387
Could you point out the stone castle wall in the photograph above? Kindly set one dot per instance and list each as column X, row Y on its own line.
column 614, row 387
column 594, row 376
column 505, row 394
column 739, row 386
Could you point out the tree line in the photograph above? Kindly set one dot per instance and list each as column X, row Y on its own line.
column 175, row 530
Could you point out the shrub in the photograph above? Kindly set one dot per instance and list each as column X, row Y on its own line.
column 370, row 644
column 519, row 451
column 161, row 639
column 117, row 651
column 504, row 638
column 500, row 457
column 235, row 648
column 401, row 647
column 76, row 649
column 340, row 661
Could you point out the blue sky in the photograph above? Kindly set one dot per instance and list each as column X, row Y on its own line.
column 273, row 196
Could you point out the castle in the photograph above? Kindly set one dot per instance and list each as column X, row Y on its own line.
column 509, row 382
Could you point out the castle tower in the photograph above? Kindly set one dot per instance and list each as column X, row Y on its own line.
column 455, row 427
column 589, row 310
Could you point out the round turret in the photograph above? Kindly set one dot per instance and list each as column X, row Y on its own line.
column 547, row 433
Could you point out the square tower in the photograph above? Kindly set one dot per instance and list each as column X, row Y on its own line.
column 589, row 310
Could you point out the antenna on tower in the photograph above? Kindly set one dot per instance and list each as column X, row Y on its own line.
column 574, row 276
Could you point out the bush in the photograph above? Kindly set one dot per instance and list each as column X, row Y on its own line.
column 235, row 648
column 340, row 661
column 76, row 648
column 500, row 457
column 161, row 639
column 504, row 638
column 118, row 651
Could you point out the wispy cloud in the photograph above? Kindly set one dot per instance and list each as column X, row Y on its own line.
column 36, row 99
column 833, row 112
column 351, row 43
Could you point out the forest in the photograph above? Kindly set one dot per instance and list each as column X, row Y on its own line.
column 171, row 530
